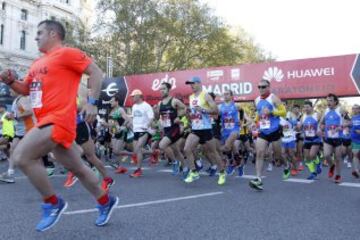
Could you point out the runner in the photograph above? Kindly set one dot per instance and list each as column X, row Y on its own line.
column 201, row 106
column 230, row 125
column 84, row 140
column 143, row 116
column 312, row 142
column 332, row 123
column 171, row 110
column 355, row 137
column 269, row 109
column 52, row 83
column 119, row 122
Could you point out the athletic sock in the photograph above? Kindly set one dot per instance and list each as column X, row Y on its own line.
column 51, row 199
column 103, row 200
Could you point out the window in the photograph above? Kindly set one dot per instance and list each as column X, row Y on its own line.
column 3, row 5
column 67, row 1
column 23, row 40
column 2, row 34
column 24, row 14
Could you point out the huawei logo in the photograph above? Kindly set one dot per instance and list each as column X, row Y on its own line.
column 273, row 73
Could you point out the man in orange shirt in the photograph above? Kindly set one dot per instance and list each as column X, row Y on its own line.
column 52, row 83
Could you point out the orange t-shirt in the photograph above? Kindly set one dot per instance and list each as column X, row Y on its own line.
column 53, row 81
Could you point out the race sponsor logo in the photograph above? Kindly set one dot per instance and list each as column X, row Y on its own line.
column 215, row 75
column 235, row 74
column 273, row 73
column 158, row 81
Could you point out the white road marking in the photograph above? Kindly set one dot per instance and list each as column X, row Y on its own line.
column 249, row 176
column 148, row 203
column 298, row 180
column 348, row 184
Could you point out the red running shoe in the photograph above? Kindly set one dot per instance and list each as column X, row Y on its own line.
column 134, row 159
column 294, row 172
column 71, row 179
column 331, row 171
column 137, row 173
column 121, row 170
column 337, row 179
column 107, row 183
column 154, row 159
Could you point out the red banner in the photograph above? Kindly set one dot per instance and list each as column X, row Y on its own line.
column 307, row 78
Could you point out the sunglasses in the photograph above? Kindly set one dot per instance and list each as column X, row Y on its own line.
column 262, row 86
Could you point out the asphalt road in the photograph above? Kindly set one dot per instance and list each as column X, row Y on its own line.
column 161, row 206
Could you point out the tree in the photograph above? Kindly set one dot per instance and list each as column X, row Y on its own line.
column 145, row 36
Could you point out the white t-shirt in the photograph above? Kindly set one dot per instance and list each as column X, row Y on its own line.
column 142, row 115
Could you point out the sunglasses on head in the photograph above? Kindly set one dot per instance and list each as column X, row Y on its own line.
column 262, row 86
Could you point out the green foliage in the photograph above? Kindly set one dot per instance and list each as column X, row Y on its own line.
column 144, row 36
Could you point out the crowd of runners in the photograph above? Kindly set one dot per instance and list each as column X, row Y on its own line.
column 52, row 119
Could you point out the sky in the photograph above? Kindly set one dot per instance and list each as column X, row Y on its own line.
column 296, row 29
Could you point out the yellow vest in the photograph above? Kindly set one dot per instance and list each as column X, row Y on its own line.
column 8, row 128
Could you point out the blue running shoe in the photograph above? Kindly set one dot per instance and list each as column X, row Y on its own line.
column 185, row 174
column 105, row 211
column 312, row 176
column 211, row 171
column 241, row 170
column 51, row 214
column 175, row 168
column 230, row 170
column 318, row 168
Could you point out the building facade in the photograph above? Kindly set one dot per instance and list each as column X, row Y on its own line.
column 18, row 24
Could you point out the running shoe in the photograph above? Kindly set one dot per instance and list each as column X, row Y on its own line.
column 154, row 159
column 198, row 165
column 51, row 214
column 331, row 171
column 355, row 174
column 7, row 178
column 107, row 183
column 318, row 168
column 348, row 165
column 256, row 184
column 106, row 210
column 269, row 167
column 312, row 176
column 337, row 179
column 192, row 176
column 286, row 174
column 50, row 171
column 212, row 171
column 222, row 178
column 185, row 174
column 137, row 173
column 230, row 169
column 294, row 172
column 175, row 168
column 241, row 170
column 300, row 167
column 134, row 159
column 70, row 180
column 121, row 170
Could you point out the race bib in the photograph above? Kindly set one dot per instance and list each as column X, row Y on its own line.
column 310, row 133
column 36, row 94
column 346, row 131
column 265, row 123
column 196, row 121
column 333, row 132
column 229, row 123
column 288, row 134
column 165, row 121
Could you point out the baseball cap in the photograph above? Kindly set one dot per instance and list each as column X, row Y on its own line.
column 136, row 92
column 193, row 80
